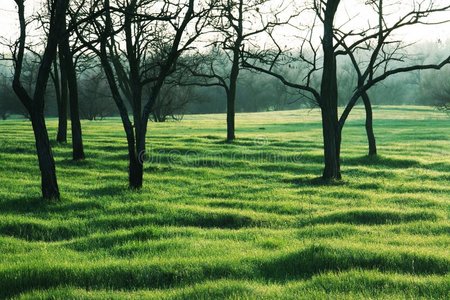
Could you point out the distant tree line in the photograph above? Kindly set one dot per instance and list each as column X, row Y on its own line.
column 96, row 103
column 156, row 60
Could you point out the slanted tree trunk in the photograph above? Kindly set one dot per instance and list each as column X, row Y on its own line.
column 61, row 100
column 135, row 166
column 329, row 99
column 369, row 125
column 35, row 105
column 49, row 183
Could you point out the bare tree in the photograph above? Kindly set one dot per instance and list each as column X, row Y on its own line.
column 437, row 89
column 96, row 102
column 171, row 103
column 35, row 103
column 387, row 54
column 68, row 65
column 335, row 42
column 137, row 46
column 66, row 86
column 8, row 101
column 237, row 22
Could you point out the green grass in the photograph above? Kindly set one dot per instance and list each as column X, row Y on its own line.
column 232, row 221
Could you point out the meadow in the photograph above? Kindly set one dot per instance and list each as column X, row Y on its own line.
column 247, row 220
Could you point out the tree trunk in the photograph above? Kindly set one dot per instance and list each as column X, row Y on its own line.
column 369, row 125
column 77, row 136
column 332, row 140
column 231, row 95
column 61, row 100
column 136, row 171
column 231, row 113
column 49, row 182
column 329, row 99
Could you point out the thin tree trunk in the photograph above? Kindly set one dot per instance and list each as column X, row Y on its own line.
column 136, row 175
column 61, row 136
column 49, row 182
column 134, row 172
column 231, row 95
column 231, row 114
column 77, row 135
column 369, row 125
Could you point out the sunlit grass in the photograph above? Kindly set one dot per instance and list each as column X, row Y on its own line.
column 243, row 220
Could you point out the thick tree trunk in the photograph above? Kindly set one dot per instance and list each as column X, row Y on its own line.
column 61, row 100
column 49, row 182
column 136, row 171
column 369, row 125
column 77, row 135
column 329, row 99
column 332, row 140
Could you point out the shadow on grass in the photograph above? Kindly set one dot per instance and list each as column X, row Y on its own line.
column 381, row 161
column 37, row 205
column 25, row 205
column 371, row 217
column 438, row 166
column 75, row 163
column 17, row 150
column 282, row 268
column 317, row 259
column 184, row 218
column 314, row 182
column 109, row 190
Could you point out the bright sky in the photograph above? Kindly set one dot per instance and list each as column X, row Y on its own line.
column 349, row 9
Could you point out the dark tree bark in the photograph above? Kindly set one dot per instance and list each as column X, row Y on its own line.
column 235, row 70
column 126, row 77
column 35, row 104
column 231, row 110
column 329, row 98
column 60, row 82
column 232, row 22
column 135, row 177
column 380, row 59
column 49, row 184
column 374, row 40
column 72, row 84
column 369, row 125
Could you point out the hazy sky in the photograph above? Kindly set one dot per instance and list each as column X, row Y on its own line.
column 353, row 9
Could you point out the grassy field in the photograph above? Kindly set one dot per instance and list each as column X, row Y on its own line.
column 224, row 221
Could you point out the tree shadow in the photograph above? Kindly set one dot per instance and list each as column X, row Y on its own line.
column 25, row 205
column 381, row 161
column 75, row 163
column 37, row 205
column 110, row 190
column 314, row 182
